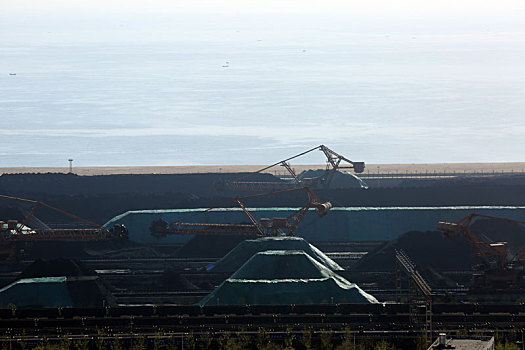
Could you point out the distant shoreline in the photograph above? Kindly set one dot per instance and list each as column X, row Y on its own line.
column 505, row 167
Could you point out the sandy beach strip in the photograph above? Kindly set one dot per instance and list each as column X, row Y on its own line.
column 507, row 167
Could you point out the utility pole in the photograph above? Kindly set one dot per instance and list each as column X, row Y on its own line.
column 70, row 166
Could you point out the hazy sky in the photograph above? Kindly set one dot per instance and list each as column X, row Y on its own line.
column 388, row 6
column 99, row 20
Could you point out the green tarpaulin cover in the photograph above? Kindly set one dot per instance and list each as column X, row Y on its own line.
column 37, row 292
column 245, row 250
column 285, row 277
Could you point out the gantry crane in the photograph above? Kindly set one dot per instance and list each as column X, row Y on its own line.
column 500, row 269
column 333, row 163
column 13, row 231
column 266, row 226
column 257, row 228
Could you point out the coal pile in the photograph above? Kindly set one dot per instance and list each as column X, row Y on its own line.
column 200, row 184
column 501, row 231
column 99, row 198
column 172, row 280
column 20, row 214
column 429, row 248
column 11, row 213
column 208, row 246
column 126, row 253
column 52, row 249
column 64, row 249
column 90, row 292
column 55, row 268
column 432, row 249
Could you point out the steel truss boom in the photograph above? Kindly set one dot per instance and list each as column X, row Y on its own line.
column 15, row 231
column 279, row 226
column 482, row 247
column 333, row 162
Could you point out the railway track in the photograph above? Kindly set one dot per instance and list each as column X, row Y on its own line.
column 150, row 319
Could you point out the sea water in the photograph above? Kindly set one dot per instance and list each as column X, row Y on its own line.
column 179, row 91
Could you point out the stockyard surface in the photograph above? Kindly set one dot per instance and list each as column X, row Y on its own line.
column 144, row 290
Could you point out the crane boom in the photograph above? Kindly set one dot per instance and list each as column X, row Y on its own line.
column 263, row 227
column 333, row 163
column 500, row 269
column 482, row 247
column 13, row 232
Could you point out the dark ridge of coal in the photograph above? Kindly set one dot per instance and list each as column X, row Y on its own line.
column 85, row 287
column 126, row 253
column 501, row 231
column 119, row 249
column 500, row 179
column 100, row 198
column 71, row 184
column 101, row 207
column 53, row 249
column 173, row 280
column 56, row 268
column 437, row 279
column 430, row 249
column 11, row 213
column 442, row 195
column 21, row 213
column 90, row 293
column 209, row 246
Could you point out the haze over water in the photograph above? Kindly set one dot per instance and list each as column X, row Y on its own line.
column 223, row 88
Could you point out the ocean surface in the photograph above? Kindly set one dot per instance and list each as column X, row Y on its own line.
column 253, row 94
